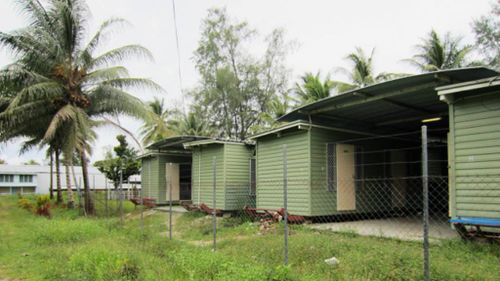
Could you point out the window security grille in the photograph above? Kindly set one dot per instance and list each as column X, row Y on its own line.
column 331, row 168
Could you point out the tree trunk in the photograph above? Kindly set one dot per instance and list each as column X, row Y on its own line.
column 89, row 204
column 51, row 187
column 71, row 199
column 58, row 179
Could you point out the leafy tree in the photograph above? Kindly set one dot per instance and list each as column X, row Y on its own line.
column 487, row 32
column 2, row 162
column 31, row 162
column 312, row 89
column 58, row 88
column 437, row 53
column 235, row 85
column 124, row 161
column 157, row 127
column 361, row 72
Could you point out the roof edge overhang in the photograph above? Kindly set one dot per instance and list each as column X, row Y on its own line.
column 172, row 141
column 444, row 91
column 304, row 125
column 191, row 144
column 160, row 153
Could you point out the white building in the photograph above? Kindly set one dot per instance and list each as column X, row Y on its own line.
column 27, row 179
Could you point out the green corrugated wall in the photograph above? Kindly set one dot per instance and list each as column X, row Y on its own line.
column 202, row 175
column 237, row 171
column 270, row 172
column 232, row 173
column 475, row 156
column 307, row 181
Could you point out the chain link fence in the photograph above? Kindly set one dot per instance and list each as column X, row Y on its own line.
column 351, row 197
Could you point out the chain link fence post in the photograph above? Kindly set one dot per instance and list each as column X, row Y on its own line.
column 425, row 186
column 214, row 217
column 141, row 198
column 106, row 197
column 120, row 205
column 285, row 201
column 170, row 206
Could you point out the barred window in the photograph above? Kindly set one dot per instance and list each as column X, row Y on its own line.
column 331, row 168
column 6, row 178
column 25, row 178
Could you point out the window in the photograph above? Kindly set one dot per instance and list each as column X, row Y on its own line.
column 253, row 177
column 6, row 178
column 25, row 178
column 331, row 169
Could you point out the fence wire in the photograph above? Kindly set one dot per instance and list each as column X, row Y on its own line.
column 388, row 188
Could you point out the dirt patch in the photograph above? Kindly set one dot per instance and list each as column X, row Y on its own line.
column 136, row 216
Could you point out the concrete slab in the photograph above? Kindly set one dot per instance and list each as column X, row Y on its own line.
column 400, row 228
column 175, row 209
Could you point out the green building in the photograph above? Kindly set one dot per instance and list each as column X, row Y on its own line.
column 325, row 171
column 166, row 164
column 359, row 152
column 474, row 148
column 233, row 182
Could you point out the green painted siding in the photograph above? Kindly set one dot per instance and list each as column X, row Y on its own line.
column 475, row 155
column 307, row 174
column 202, row 179
column 232, row 174
column 270, row 172
column 237, row 171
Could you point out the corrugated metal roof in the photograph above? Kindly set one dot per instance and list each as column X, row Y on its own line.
column 216, row 141
column 392, row 105
column 174, row 142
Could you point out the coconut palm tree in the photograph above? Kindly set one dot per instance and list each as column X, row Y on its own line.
column 157, row 128
column 361, row 72
column 191, row 123
column 436, row 53
column 63, row 87
column 312, row 88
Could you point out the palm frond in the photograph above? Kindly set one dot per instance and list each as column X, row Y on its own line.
column 119, row 54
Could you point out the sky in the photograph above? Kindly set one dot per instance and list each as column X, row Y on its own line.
column 324, row 32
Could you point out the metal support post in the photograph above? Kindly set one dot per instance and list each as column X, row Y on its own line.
column 425, row 185
column 214, row 206
column 285, row 199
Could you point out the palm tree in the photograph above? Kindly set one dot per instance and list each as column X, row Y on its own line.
column 278, row 106
column 312, row 88
column 62, row 87
column 436, row 53
column 157, row 128
column 361, row 72
column 191, row 123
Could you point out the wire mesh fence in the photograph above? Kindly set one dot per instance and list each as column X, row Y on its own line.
column 380, row 188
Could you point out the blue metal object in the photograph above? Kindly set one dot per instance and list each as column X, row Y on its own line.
column 476, row 221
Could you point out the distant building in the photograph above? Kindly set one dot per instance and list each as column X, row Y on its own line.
column 29, row 179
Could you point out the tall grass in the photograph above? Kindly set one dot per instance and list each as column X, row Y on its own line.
column 71, row 247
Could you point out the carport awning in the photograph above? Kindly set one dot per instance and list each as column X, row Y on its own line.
column 391, row 106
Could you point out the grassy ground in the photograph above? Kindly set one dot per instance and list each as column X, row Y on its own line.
column 69, row 247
